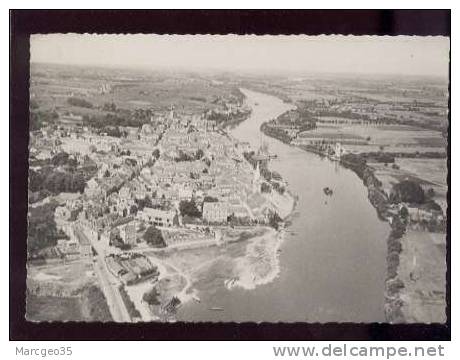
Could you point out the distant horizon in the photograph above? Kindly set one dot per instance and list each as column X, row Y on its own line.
column 255, row 72
column 309, row 55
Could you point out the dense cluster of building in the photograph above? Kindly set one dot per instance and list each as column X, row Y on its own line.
column 145, row 177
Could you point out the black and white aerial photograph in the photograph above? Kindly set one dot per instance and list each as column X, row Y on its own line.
column 237, row 178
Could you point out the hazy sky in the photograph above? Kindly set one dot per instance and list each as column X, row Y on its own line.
column 307, row 54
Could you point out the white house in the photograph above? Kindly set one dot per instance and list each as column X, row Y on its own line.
column 215, row 212
column 157, row 217
column 128, row 233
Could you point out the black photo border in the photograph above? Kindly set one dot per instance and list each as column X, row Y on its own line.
column 275, row 22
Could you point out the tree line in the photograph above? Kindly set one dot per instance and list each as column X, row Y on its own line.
column 61, row 174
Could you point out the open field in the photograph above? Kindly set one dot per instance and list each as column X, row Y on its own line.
column 420, row 101
column 433, row 170
column 89, row 306
column 65, row 292
column 59, row 279
column 390, row 137
column 332, row 133
column 429, row 173
column 423, row 271
column 71, row 276
column 52, row 85
column 398, row 136
column 53, row 308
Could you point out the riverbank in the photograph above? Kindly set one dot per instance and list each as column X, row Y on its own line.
column 260, row 265
column 248, row 259
column 321, row 231
column 416, row 267
column 380, row 202
column 414, row 288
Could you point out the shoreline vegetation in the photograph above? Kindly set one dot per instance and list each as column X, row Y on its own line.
column 397, row 304
column 380, row 202
column 394, row 285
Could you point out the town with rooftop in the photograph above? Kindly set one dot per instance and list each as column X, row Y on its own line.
column 115, row 196
column 144, row 204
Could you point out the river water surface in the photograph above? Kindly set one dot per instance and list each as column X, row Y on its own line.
column 333, row 258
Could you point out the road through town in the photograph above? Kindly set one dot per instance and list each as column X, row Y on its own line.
column 108, row 283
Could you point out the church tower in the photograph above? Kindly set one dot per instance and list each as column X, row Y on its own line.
column 256, row 179
column 171, row 112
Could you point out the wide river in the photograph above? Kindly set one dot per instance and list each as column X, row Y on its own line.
column 333, row 258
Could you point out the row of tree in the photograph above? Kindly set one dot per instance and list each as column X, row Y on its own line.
column 74, row 101
column 183, row 156
column 275, row 132
column 42, row 231
column 39, row 119
column 62, row 173
column 189, row 208
column 116, row 119
column 154, row 237
column 56, row 181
